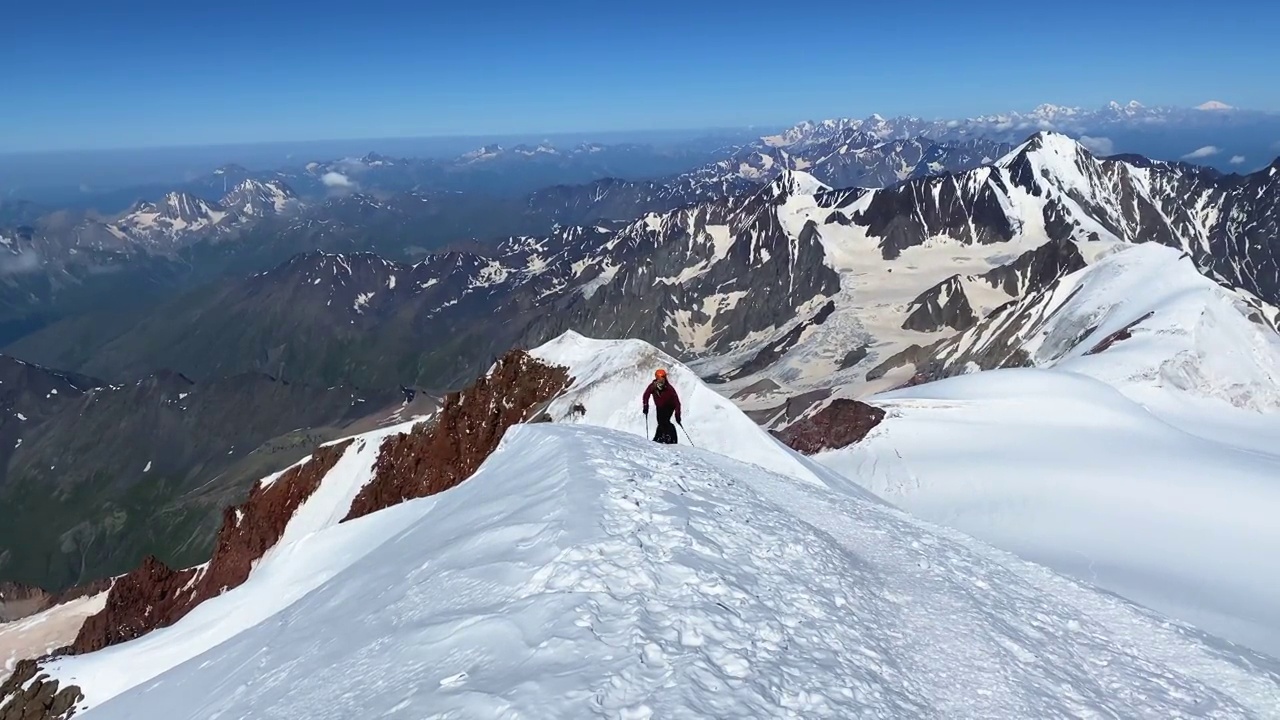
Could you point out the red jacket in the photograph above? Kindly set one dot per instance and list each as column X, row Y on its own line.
column 664, row 399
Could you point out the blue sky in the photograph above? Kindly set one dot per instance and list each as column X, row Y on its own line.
column 144, row 74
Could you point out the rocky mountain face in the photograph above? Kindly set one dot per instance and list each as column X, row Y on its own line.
column 678, row 277
column 104, row 474
column 803, row 283
column 18, row 601
column 66, row 262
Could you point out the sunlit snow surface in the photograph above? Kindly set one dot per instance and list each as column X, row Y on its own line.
column 1150, row 468
column 585, row 571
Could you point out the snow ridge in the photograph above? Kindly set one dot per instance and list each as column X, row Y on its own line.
column 583, row 567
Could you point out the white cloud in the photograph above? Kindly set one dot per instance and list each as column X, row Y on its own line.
column 1237, row 159
column 336, row 180
column 23, row 262
column 1098, row 145
column 1203, row 152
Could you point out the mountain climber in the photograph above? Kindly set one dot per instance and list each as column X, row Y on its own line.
column 667, row 403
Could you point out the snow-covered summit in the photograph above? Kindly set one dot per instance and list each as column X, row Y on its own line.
column 795, row 182
column 583, row 568
column 256, row 198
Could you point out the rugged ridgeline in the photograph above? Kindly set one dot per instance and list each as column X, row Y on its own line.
column 795, row 284
column 673, row 277
column 412, row 460
column 94, row 476
column 355, row 477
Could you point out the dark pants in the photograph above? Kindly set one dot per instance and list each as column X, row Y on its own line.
column 666, row 429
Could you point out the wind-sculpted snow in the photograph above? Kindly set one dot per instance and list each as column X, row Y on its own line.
column 1169, row 503
column 590, row 573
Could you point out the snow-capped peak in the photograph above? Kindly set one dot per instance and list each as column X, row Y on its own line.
column 1214, row 105
column 795, row 182
column 257, row 198
column 485, row 152
column 185, row 206
column 1053, row 151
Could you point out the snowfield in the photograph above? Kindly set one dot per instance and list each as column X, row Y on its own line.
column 1065, row 470
column 1149, row 468
column 584, row 571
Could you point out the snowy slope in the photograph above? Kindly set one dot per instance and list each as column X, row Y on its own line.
column 610, row 377
column 584, row 572
column 45, row 631
column 1140, row 456
column 1171, row 505
column 1142, row 319
column 304, row 558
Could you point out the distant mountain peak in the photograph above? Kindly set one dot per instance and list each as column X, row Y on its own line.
column 259, row 198
column 795, row 182
column 1214, row 105
column 1048, row 144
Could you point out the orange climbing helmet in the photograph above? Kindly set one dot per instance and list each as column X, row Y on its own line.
column 660, row 374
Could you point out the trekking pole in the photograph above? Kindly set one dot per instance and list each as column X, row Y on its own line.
column 686, row 435
column 646, row 425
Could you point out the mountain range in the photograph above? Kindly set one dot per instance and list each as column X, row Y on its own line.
column 844, row 283
column 64, row 262
column 1068, row 355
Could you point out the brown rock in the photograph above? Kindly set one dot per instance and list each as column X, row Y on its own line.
column 1122, row 334
column 18, row 601
column 428, row 460
column 154, row 596
column 438, row 455
column 138, row 603
column 837, row 425
column 27, row 695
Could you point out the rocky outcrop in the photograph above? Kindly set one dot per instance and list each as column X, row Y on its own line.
column 139, row 602
column 1123, row 333
column 943, row 305
column 438, row 455
column 18, row 601
column 769, row 354
column 31, row 695
column 1035, row 269
column 853, row 357
column 154, row 596
column 792, row 408
column 841, row 423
